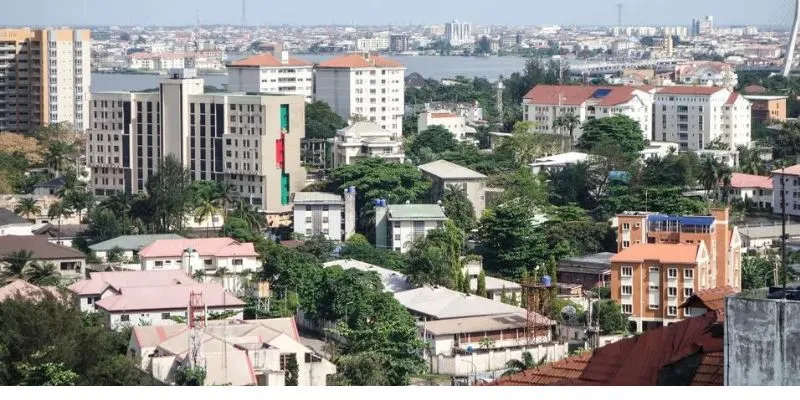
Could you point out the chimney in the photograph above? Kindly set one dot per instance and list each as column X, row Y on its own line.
column 349, row 212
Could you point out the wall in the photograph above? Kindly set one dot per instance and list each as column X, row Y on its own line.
column 494, row 360
column 155, row 318
column 403, row 236
column 16, row 230
column 762, row 340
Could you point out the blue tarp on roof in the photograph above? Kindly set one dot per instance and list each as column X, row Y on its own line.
column 696, row 221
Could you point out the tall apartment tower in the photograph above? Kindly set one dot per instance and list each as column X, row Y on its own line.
column 249, row 141
column 458, row 33
column 44, row 78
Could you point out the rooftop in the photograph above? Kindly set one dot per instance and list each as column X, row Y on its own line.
column 488, row 323
column 357, row 60
column 54, row 183
column 739, row 181
column 764, row 98
column 559, row 159
column 793, row 170
column 577, row 95
column 665, row 253
column 688, row 220
column 7, row 217
column 711, row 299
column 219, row 247
column 175, row 297
column 769, row 231
column 599, row 263
column 689, row 352
column 443, row 303
column 99, row 281
column 269, row 60
column 25, row 290
column 689, row 90
column 416, row 212
column 365, row 128
column 41, row 248
column 446, row 170
column 132, row 242
column 393, row 281
column 317, row 198
column 493, row 284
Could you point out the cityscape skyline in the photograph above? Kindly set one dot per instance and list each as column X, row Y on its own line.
column 362, row 12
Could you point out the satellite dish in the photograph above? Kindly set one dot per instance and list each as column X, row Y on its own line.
column 568, row 313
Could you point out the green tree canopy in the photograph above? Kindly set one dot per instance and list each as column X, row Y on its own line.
column 321, row 121
column 436, row 139
column 619, row 129
column 458, row 208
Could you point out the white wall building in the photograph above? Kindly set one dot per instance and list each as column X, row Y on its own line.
column 458, row 33
column 364, row 85
column 694, row 116
column 706, row 73
column 398, row 225
column 456, row 124
column 545, row 103
column 251, row 142
column 268, row 73
column 101, row 285
column 365, row 139
column 13, row 224
column 192, row 255
column 325, row 214
column 444, row 173
column 379, row 43
column 791, row 186
column 753, row 189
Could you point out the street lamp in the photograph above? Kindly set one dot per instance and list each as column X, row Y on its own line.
column 189, row 251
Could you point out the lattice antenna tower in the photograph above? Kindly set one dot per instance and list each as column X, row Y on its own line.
column 197, row 314
column 244, row 13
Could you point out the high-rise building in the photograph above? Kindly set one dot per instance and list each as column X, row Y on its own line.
column 363, row 85
column 251, row 142
column 399, row 43
column 458, row 33
column 44, row 77
column 704, row 26
column 273, row 74
column 664, row 259
column 694, row 116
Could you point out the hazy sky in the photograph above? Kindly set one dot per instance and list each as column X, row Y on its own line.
column 365, row 12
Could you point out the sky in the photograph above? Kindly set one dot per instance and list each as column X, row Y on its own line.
column 402, row 12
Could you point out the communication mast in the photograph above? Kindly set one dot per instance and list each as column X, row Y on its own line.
column 197, row 317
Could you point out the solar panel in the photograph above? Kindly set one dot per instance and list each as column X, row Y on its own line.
column 600, row 93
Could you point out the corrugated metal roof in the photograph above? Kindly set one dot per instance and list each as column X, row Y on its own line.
column 132, row 242
column 317, row 198
column 416, row 212
column 447, row 170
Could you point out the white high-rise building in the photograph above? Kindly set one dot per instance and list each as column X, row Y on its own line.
column 44, row 78
column 363, row 86
column 379, row 43
column 458, row 33
column 694, row 116
column 272, row 74
column 251, row 142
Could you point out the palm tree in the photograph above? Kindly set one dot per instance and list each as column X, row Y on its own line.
column 225, row 194
column 206, row 209
column 42, row 274
column 249, row 214
column 16, row 263
column 58, row 154
column 750, row 161
column 714, row 175
column 28, row 207
column 527, row 362
column 59, row 210
column 570, row 122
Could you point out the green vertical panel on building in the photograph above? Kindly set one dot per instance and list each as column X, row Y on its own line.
column 285, row 118
column 284, row 189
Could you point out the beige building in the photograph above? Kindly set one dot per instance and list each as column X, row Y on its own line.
column 249, row 141
column 44, row 77
column 365, row 139
column 444, row 173
column 272, row 73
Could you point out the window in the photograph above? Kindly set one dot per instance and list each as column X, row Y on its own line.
column 687, row 312
column 688, row 292
column 284, row 361
column 124, row 317
column 626, row 227
column 672, row 311
column 672, row 272
column 626, row 271
column 653, row 306
column 672, row 292
column 627, row 309
column 159, row 264
column 627, row 290
column 653, row 288
column 237, row 262
column 626, row 244
column 165, row 315
column 688, row 274
column 396, row 237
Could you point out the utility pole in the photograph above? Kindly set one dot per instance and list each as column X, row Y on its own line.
column 244, row 13
column 619, row 15
column 783, row 225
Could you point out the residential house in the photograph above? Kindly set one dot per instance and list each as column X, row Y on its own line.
column 754, row 190
column 199, row 255
column 444, row 174
column 454, row 123
column 63, row 235
column 590, row 271
column 129, row 244
column 49, row 188
column 19, row 288
column 708, row 300
column 759, row 238
column 69, row 262
column 768, row 108
column 397, row 226
column 558, row 162
column 325, row 214
column 101, row 285
column 157, row 305
column 791, row 188
column 496, row 288
column 235, row 352
column 392, row 281
column 13, row 224
column 276, row 73
column 366, row 139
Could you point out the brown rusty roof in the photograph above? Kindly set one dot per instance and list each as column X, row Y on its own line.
column 712, row 299
column 644, row 360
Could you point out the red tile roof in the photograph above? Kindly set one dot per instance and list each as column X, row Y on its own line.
column 269, row 60
column 665, row 253
column 356, row 60
column 754, row 89
column 577, row 95
column 712, row 299
column 739, row 181
column 732, row 98
column 443, row 115
column 640, row 360
column 793, row 170
column 689, row 90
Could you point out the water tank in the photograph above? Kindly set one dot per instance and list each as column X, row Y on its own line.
column 547, row 281
column 352, row 189
column 383, row 202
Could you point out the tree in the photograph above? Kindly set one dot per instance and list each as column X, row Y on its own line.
column 125, row 37
column 359, row 248
column 238, row 229
column 610, row 317
column 569, row 122
column 757, row 272
column 437, row 139
column 321, row 121
column 429, row 264
column 115, row 255
column 251, row 215
column 713, row 174
column 206, row 209
column 481, row 290
column 527, row 362
column 292, row 372
column 672, row 170
column 16, row 263
column 750, row 161
column 168, row 195
column 458, row 208
column 190, row 376
column 484, row 45
column 525, row 145
column 318, row 246
column 39, row 373
column 509, row 243
column 59, row 210
column 104, row 225
column 59, row 154
column 28, row 207
column 361, row 369
column 45, row 274
column 619, row 129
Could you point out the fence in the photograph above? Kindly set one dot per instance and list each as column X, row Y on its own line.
column 493, row 360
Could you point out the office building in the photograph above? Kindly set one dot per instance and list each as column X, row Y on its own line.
column 458, row 33
column 44, row 78
column 399, row 43
column 325, row 214
column 704, row 26
column 380, row 43
column 694, row 116
column 365, row 139
column 272, row 74
column 791, row 188
column 249, row 141
column 768, row 108
column 364, row 85
column 544, row 104
column 397, row 226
